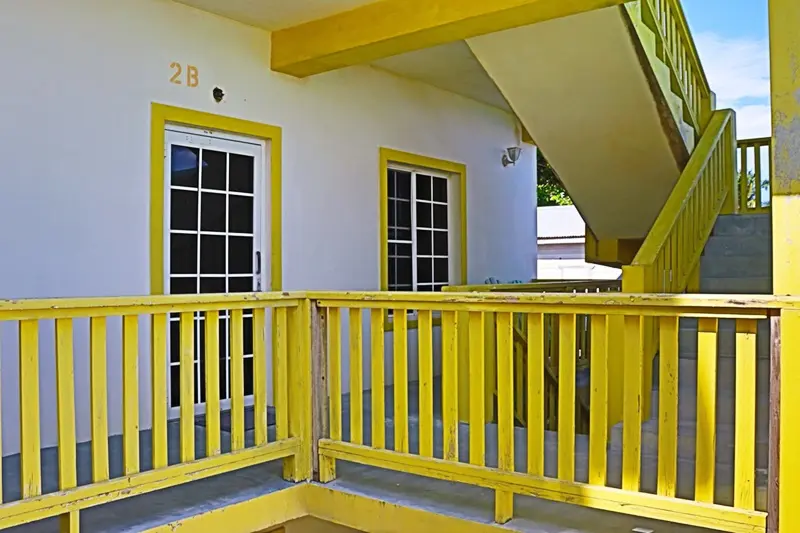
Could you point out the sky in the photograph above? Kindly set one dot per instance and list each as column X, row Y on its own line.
column 732, row 39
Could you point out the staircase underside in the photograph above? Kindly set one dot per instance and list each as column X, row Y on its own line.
column 585, row 90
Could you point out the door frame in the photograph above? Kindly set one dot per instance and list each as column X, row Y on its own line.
column 164, row 117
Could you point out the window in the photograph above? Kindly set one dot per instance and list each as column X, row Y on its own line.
column 212, row 240
column 419, row 230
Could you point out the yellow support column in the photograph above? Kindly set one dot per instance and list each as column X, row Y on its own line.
column 784, row 19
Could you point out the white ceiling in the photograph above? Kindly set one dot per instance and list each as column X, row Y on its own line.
column 451, row 67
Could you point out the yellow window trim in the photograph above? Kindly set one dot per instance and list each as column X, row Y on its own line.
column 387, row 156
column 162, row 115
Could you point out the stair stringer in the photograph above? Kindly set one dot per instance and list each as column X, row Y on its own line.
column 584, row 87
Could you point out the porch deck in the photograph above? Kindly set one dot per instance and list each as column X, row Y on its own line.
column 472, row 503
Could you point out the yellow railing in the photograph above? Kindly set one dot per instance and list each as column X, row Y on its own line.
column 551, row 344
column 669, row 257
column 105, row 333
column 314, row 336
column 755, row 175
column 675, row 47
column 671, row 251
column 401, row 447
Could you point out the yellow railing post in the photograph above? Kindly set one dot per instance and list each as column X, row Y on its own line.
column 784, row 19
column 463, row 368
column 299, row 467
column 638, row 279
column 731, row 172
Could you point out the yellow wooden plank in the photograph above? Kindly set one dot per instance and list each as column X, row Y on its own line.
column 356, row 377
column 378, row 382
column 598, row 400
column 616, row 367
column 425, row 336
column 477, row 421
column 52, row 308
column 237, row 380
column 789, row 463
column 281, row 380
column 535, row 426
column 65, row 393
column 158, row 382
column 130, row 394
column 335, row 371
column 95, row 494
column 302, row 339
column 260, row 368
column 400, row 320
column 744, row 489
column 693, row 305
column 668, row 407
column 463, row 369
column 566, row 397
column 504, row 500
column 69, row 522
column 187, row 386
column 213, row 436
column 490, row 368
column 705, row 454
column 632, row 403
column 98, row 400
column 519, row 380
column 450, row 384
column 1, row 436
column 639, row 504
column 30, row 463
column 392, row 27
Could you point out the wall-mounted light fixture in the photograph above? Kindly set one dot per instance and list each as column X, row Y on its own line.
column 511, row 156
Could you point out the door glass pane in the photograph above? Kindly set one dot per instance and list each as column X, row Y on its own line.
column 241, row 173
column 215, row 170
column 212, row 234
column 184, row 169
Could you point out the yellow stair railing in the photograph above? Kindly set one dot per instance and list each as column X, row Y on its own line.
column 551, row 343
column 675, row 47
column 755, row 180
column 669, row 258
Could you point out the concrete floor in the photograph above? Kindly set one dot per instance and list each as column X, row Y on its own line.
column 459, row 500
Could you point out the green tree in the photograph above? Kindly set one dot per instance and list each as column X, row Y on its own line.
column 753, row 192
column 549, row 190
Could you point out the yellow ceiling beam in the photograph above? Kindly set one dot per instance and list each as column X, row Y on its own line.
column 392, row 27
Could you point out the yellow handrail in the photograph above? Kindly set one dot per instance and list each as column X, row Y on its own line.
column 751, row 199
column 525, row 473
column 582, row 347
column 672, row 248
column 677, row 49
column 670, row 254
column 310, row 356
column 174, row 326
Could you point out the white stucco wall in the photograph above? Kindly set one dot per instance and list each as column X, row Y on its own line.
column 79, row 77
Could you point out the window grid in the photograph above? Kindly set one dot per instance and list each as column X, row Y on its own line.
column 418, row 231
column 223, row 277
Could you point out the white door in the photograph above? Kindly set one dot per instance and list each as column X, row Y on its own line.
column 213, row 242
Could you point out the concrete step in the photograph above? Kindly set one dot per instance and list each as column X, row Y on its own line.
column 755, row 266
column 743, row 225
column 737, row 245
column 737, row 285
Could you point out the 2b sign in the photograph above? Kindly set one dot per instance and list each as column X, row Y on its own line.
column 191, row 78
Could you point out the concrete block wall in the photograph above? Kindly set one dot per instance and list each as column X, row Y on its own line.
column 737, row 260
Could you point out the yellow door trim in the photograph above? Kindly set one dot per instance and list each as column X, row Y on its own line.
column 160, row 116
column 457, row 170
